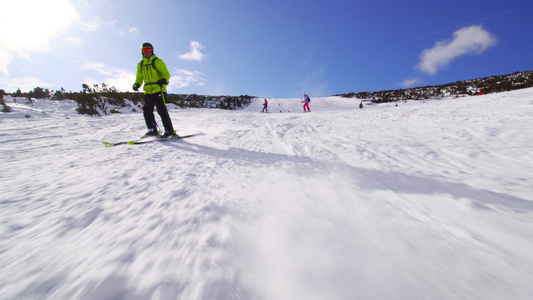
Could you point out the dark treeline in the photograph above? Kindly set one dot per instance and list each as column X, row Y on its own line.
column 488, row 85
column 103, row 99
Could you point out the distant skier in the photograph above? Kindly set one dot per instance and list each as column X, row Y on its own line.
column 361, row 104
column 480, row 92
column 154, row 73
column 306, row 102
column 265, row 106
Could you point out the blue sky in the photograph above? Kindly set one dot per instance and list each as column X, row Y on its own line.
column 264, row 48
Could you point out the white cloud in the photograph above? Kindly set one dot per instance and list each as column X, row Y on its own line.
column 98, row 67
column 75, row 41
column 184, row 78
column 134, row 31
column 473, row 39
column 122, row 80
column 195, row 53
column 5, row 60
column 128, row 32
column 93, row 25
column 94, row 3
column 43, row 20
column 410, row 82
column 25, row 84
column 96, row 23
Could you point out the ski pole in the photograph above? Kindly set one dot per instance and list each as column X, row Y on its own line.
column 163, row 94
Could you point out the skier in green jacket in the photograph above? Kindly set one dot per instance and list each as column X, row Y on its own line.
column 155, row 75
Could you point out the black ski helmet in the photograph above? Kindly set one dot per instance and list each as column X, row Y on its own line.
column 147, row 45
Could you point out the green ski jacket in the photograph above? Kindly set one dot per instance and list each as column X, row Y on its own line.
column 150, row 70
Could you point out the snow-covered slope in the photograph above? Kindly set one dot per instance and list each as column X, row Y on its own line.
column 426, row 200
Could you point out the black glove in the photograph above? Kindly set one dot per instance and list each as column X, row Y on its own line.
column 162, row 81
column 136, row 87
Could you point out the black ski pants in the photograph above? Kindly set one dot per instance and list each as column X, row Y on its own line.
column 155, row 100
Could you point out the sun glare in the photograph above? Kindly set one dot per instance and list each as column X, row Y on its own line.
column 29, row 25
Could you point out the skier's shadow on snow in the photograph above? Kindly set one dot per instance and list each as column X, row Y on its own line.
column 369, row 179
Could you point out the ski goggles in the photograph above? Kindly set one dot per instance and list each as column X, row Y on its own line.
column 147, row 49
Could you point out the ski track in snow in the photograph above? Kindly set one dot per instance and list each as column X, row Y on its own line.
column 427, row 200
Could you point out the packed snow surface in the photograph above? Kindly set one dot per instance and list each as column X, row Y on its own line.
column 424, row 200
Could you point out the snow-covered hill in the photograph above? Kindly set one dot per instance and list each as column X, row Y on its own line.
column 426, row 200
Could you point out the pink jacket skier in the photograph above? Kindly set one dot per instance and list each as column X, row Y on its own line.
column 306, row 102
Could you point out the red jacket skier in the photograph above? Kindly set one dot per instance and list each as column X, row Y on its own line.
column 265, row 106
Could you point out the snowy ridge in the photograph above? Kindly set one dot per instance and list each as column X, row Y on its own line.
column 426, row 200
